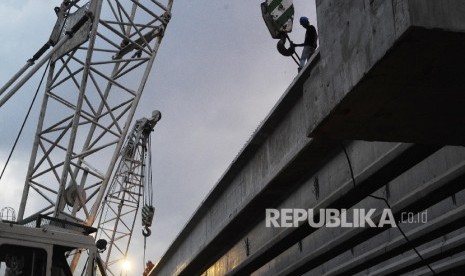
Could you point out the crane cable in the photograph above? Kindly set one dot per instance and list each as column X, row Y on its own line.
column 145, row 250
column 149, row 190
column 34, row 98
column 24, row 121
column 147, row 197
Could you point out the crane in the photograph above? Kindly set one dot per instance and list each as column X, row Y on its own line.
column 131, row 181
column 100, row 59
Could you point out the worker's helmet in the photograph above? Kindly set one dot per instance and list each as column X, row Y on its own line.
column 304, row 20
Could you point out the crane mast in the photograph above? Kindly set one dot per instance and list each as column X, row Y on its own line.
column 131, row 181
column 101, row 57
column 95, row 82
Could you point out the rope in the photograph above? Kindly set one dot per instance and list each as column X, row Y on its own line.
column 24, row 121
column 85, row 266
column 389, row 206
column 147, row 194
column 149, row 167
column 35, row 57
column 145, row 249
column 148, row 189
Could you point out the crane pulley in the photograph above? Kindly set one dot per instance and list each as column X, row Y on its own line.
column 148, row 211
column 278, row 16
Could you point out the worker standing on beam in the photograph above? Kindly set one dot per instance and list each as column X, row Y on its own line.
column 309, row 42
column 148, row 268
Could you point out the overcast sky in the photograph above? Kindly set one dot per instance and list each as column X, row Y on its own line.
column 216, row 76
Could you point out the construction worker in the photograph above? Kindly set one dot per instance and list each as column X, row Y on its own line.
column 309, row 42
column 148, row 268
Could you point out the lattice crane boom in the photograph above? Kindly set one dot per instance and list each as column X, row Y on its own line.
column 130, row 182
column 95, row 82
column 102, row 54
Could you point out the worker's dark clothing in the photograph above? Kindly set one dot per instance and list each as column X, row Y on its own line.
column 309, row 45
column 310, row 36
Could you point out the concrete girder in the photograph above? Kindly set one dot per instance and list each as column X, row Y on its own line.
column 430, row 255
column 447, row 268
column 393, row 163
column 432, row 192
column 412, row 95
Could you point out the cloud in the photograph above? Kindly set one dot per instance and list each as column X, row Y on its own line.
column 25, row 27
column 13, row 180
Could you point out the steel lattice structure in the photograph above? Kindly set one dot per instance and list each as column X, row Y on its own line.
column 94, row 84
column 130, row 181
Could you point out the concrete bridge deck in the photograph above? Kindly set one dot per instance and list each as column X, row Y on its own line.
column 377, row 111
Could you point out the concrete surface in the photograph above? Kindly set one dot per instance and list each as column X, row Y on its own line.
column 383, row 82
column 386, row 71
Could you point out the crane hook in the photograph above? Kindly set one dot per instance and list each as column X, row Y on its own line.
column 282, row 48
column 146, row 232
